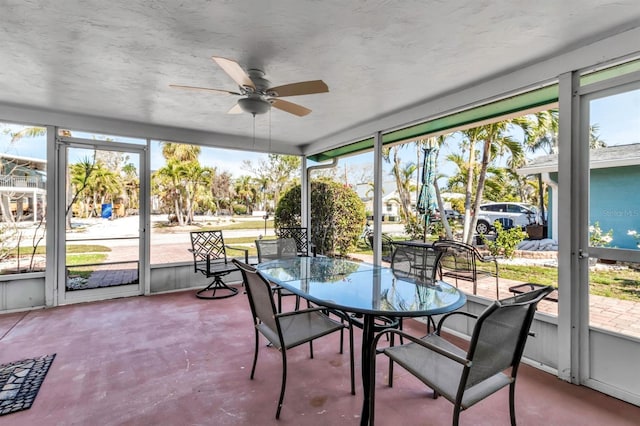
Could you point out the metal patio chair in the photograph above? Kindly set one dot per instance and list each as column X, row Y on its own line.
column 464, row 262
column 466, row 377
column 285, row 331
column 281, row 248
column 210, row 258
column 301, row 237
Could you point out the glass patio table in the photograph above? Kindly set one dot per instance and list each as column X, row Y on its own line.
column 365, row 289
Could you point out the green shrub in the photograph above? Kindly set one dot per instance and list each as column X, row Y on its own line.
column 239, row 209
column 414, row 228
column 8, row 239
column 337, row 215
column 506, row 241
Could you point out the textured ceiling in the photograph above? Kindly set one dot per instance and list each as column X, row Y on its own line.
column 116, row 58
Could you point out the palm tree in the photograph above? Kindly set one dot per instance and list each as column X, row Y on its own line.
column 471, row 137
column 180, row 151
column 169, row 181
column 402, row 175
column 79, row 174
column 221, row 189
column 496, row 142
column 194, row 179
column 28, row 132
column 131, row 182
column 105, row 184
column 245, row 191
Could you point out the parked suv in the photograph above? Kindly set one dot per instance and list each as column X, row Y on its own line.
column 509, row 214
column 451, row 215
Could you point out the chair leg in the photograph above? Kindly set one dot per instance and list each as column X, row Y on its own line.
column 216, row 285
column 512, row 403
column 430, row 322
column 351, row 360
column 391, row 363
column 456, row 414
column 284, row 382
column 255, row 355
column 372, row 386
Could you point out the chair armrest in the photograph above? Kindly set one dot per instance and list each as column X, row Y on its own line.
column 425, row 344
column 450, row 314
column 301, row 311
column 245, row 250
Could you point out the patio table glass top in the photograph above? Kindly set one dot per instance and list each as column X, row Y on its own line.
column 361, row 287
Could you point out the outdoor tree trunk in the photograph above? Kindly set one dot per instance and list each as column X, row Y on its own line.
column 443, row 216
column 467, row 230
column 486, row 154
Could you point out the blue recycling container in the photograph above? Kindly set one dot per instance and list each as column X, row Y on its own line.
column 106, row 211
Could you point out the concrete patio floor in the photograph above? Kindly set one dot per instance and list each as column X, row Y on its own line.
column 174, row 359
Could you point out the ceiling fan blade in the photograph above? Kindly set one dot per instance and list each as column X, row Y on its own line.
column 228, row 92
column 235, row 110
column 290, row 107
column 235, row 71
column 302, row 88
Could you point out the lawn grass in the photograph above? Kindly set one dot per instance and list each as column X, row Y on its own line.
column 623, row 284
column 247, row 224
column 85, row 258
column 225, row 225
column 71, row 248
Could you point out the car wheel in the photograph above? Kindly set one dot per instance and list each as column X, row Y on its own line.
column 482, row 227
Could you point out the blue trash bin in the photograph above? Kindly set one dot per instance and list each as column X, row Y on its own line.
column 106, row 211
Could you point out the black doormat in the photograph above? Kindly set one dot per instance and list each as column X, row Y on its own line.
column 20, row 382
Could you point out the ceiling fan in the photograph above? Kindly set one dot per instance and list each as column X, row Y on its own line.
column 257, row 95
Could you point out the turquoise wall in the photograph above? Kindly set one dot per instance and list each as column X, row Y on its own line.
column 615, row 203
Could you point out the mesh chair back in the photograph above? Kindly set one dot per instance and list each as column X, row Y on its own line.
column 456, row 256
column 417, row 262
column 208, row 244
column 299, row 235
column 500, row 334
column 260, row 296
column 282, row 248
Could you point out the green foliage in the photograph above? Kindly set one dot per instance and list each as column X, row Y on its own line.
column 597, row 238
column 506, row 241
column 457, row 204
column 636, row 236
column 337, row 215
column 436, row 228
column 288, row 209
column 239, row 209
column 414, row 228
column 8, row 244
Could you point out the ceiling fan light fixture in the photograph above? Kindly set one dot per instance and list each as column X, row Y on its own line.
column 254, row 105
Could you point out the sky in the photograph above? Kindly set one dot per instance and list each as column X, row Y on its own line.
column 618, row 118
column 224, row 160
